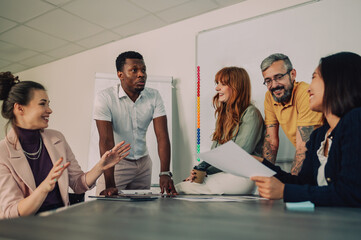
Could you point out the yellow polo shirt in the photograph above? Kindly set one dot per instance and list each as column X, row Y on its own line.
column 293, row 114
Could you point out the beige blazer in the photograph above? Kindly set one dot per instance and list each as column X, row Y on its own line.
column 17, row 180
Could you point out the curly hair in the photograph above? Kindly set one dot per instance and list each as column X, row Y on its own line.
column 121, row 59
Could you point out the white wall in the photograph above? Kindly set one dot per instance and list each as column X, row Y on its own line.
column 168, row 51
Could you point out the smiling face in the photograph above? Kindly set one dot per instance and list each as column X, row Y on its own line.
column 133, row 77
column 316, row 91
column 35, row 115
column 224, row 92
column 281, row 89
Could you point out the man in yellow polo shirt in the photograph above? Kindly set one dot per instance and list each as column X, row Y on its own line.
column 287, row 104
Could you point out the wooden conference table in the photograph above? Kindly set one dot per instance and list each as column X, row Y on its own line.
column 167, row 218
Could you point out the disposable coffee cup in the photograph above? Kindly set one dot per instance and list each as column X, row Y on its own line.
column 200, row 175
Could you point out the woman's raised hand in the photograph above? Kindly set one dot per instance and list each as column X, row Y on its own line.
column 49, row 182
column 113, row 156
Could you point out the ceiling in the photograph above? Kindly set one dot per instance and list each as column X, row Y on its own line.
column 35, row 32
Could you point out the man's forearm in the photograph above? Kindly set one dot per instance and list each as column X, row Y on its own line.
column 297, row 162
column 164, row 155
column 109, row 178
column 270, row 144
column 106, row 142
column 270, row 151
column 302, row 136
column 109, row 173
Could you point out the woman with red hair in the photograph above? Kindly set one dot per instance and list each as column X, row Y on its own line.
column 237, row 120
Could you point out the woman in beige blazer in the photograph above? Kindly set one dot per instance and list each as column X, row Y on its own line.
column 36, row 164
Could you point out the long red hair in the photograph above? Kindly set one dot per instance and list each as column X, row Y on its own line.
column 228, row 113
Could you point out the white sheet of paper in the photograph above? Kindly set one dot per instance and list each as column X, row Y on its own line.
column 207, row 200
column 222, row 198
column 231, row 158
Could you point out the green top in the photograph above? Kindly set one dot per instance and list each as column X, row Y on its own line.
column 250, row 136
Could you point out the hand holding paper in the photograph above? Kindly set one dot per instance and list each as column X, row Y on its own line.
column 233, row 159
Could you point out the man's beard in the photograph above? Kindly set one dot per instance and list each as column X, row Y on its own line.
column 285, row 97
column 139, row 90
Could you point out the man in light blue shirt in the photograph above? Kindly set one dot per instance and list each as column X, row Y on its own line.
column 124, row 112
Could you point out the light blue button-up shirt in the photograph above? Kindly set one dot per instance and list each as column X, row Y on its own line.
column 130, row 119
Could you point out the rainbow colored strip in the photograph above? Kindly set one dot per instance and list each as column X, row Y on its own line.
column 198, row 112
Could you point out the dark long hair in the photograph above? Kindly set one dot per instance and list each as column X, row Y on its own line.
column 13, row 91
column 341, row 73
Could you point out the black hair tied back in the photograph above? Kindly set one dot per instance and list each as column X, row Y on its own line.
column 7, row 81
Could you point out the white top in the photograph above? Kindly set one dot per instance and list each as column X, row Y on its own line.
column 321, row 180
column 130, row 119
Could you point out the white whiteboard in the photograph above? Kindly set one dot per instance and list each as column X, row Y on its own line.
column 304, row 33
column 164, row 86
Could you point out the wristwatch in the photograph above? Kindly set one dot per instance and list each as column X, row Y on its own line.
column 166, row 173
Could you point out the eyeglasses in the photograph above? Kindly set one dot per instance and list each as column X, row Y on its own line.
column 268, row 81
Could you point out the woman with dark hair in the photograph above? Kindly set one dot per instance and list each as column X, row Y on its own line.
column 236, row 120
column 330, row 175
column 37, row 165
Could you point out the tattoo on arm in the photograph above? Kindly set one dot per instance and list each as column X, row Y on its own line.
column 305, row 132
column 297, row 162
column 269, row 150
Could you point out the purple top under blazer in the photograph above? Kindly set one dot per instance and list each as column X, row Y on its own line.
column 17, row 179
